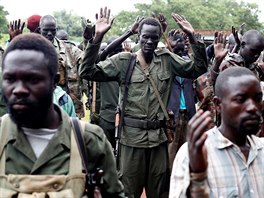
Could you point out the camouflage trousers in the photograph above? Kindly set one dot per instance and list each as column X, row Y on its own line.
column 179, row 136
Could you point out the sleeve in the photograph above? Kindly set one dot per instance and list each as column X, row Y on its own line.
column 194, row 67
column 89, row 70
column 100, row 155
column 181, row 184
column 180, row 177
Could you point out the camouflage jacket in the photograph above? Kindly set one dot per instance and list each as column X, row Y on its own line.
column 70, row 58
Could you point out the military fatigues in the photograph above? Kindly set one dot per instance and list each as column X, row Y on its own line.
column 70, row 57
column 55, row 159
column 144, row 154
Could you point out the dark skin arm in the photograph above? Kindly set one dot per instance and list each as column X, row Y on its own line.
column 119, row 40
column 220, row 52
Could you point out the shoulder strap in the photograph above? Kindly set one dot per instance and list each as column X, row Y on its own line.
column 80, row 141
column 128, row 75
column 143, row 63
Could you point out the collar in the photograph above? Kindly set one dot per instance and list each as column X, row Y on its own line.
column 222, row 142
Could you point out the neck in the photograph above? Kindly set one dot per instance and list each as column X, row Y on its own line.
column 233, row 135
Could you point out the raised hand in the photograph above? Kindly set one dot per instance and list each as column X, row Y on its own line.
column 219, row 46
column 103, row 22
column 15, row 28
column 196, row 138
column 88, row 28
column 163, row 22
column 134, row 27
column 183, row 24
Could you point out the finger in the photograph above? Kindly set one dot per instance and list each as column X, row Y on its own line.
column 101, row 13
column 105, row 12
column 96, row 16
column 201, row 128
column 200, row 121
column 200, row 142
column 23, row 25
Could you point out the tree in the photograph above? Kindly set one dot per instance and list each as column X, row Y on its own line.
column 202, row 14
column 71, row 23
column 3, row 22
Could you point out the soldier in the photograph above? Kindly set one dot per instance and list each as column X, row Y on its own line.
column 144, row 155
column 70, row 57
column 38, row 152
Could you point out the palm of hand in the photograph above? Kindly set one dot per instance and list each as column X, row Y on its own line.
column 186, row 26
column 102, row 25
column 219, row 50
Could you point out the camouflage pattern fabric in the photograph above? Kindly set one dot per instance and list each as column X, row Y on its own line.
column 70, row 57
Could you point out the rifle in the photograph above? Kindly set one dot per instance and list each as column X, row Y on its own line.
column 120, row 112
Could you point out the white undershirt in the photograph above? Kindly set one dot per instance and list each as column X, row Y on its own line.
column 39, row 138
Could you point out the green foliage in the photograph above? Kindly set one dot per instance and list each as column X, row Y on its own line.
column 3, row 24
column 202, row 14
column 71, row 23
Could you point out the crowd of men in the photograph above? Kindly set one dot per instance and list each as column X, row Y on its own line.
column 185, row 120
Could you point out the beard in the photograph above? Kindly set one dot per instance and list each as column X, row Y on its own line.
column 250, row 129
column 36, row 110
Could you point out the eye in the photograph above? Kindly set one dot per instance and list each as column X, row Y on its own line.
column 33, row 80
column 239, row 99
column 9, row 79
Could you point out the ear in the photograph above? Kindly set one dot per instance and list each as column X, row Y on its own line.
column 217, row 102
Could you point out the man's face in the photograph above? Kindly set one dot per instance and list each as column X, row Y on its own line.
column 241, row 104
column 149, row 39
column 48, row 29
column 27, row 86
column 251, row 51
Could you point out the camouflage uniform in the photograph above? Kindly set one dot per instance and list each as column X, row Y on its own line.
column 70, row 57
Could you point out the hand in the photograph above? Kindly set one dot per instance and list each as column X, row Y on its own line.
column 183, row 24
column 127, row 46
column 196, row 138
column 241, row 29
column 219, row 46
column 103, row 22
column 236, row 35
column 88, row 28
column 134, row 28
column 163, row 22
column 15, row 28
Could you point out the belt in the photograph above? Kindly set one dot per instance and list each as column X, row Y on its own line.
column 183, row 110
column 144, row 124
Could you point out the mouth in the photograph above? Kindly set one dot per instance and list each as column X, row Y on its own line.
column 252, row 120
column 20, row 106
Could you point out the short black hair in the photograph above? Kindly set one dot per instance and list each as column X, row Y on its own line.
column 222, row 79
column 150, row 21
column 34, row 41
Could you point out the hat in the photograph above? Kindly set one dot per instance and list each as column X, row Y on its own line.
column 33, row 22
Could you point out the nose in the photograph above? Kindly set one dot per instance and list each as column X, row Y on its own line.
column 20, row 89
column 254, row 106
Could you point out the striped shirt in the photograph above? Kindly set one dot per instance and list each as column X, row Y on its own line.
column 229, row 173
